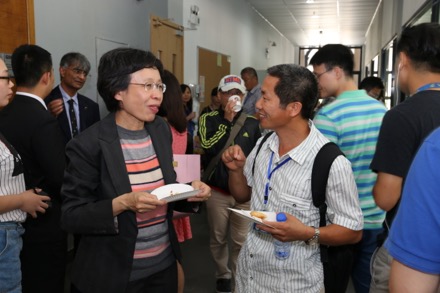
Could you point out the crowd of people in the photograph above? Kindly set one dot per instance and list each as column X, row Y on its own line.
column 67, row 171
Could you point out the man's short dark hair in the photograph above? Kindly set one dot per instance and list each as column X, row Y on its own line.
column 75, row 58
column 214, row 91
column 421, row 43
column 370, row 83
column 29, row 63
column 333, row 55
column 250, row 71
column 296, row 84
column 115, row 69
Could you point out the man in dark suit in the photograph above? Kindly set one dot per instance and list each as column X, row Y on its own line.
column 74, row 68
column 35, row 134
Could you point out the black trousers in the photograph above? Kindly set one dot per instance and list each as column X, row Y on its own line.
column 161, row 282
column 43, row 266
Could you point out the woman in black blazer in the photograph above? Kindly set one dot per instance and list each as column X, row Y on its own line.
column 128, row 242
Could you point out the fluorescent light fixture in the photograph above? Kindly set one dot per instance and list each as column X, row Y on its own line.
column 310, row 1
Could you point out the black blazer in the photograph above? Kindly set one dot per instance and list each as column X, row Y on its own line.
column 95, row 175
column 37, row 137
column 88, row 112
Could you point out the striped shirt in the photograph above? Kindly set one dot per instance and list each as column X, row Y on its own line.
column 153, row 252
column 353, row 121
column 11, row 183
column 258, row 270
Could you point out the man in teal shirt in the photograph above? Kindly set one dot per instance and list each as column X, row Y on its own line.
column 352, row 122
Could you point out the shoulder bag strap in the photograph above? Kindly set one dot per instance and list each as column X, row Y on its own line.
column 320, row 171
column 234, row 131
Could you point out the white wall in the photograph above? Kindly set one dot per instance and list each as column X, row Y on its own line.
column 410, row 7
column 388, row 22
column 64, row 25
column 233, row 28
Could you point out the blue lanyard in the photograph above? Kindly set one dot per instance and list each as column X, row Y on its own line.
column 434, row 85
column 269, row 175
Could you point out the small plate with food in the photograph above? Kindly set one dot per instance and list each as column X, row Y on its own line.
column 175, row 191
column 257, row 216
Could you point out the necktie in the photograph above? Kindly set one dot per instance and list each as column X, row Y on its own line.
column 73, row 122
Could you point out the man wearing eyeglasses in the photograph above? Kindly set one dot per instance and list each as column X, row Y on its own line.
column 74, row 111
column 352, row 121
column 214, row 129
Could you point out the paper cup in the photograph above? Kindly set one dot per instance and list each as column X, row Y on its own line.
column 236, row 99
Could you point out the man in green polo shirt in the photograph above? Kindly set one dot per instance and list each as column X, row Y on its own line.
column 352, row 121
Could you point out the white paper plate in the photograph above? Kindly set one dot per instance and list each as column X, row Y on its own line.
column 173, row 192
column 270, row 216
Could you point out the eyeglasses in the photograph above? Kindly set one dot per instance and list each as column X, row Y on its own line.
column 79, row 71
column 319, row 75
column 150, row 86
column 8, row 78
column 231, row 92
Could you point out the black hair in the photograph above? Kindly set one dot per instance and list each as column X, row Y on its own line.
column 250, row 71
column 296, row 84
column 172, row 104
column 29, row 63
column 333, row 55
column 115, row 69
column 371, row 82
column 421, row 43
column 188, row 106
column 214, row 91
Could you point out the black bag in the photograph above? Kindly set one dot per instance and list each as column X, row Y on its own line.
column 337, row 261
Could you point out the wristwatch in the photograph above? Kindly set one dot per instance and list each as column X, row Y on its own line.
column 314, row 239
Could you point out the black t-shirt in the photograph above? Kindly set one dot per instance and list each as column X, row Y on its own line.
column 403, row 129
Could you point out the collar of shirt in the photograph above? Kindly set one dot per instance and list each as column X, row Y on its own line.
column 35, row 97
column 66, row 96
column 299, row 153
column 252, row 91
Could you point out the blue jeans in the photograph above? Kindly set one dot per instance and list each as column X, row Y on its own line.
column 10, row 247
column 361, row 275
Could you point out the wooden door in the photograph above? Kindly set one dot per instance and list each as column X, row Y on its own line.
column 212, row 67
column 166, row 42
column 16, row 24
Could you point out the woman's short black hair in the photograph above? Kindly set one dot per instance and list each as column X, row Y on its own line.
column 115, row 69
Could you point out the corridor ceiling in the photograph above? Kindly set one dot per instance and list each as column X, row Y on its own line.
column 318, row 22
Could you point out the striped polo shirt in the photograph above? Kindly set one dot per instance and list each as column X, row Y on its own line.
column 153, row 252
column 353, row 121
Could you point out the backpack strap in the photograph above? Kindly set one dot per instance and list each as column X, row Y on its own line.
column 320, row 171
column 259, row 148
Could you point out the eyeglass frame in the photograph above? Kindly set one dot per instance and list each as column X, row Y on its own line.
column 319, row 75
column 79, row 71
column 7, row 78
column 152, row 86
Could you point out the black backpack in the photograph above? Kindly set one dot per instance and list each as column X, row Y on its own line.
column 336, row 260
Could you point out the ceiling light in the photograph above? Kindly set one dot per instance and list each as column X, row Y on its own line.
column 310, row 1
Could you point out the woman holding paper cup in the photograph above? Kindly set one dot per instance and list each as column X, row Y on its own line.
column 128, row 242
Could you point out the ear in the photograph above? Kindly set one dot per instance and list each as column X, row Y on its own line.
column 62, row 72
column 120, row 95
column 294, row 108
column 45, row 78
column 339, row 73
column 403, row 60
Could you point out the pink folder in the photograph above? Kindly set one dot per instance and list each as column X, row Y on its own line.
column 187, row 167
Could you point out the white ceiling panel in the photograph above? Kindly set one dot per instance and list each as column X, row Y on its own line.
column 321, row 22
